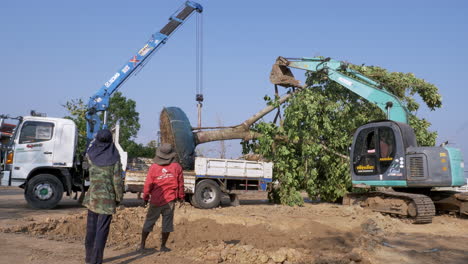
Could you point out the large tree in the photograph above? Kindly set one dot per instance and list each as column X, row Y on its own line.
column 310, row 145
column 121, row 110
column 77, row 112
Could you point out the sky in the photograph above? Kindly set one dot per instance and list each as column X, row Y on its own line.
column 54, row 51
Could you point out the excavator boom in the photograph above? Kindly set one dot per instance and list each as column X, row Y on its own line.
column 339, row 72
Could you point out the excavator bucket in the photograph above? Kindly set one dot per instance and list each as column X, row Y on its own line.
column 282, row 75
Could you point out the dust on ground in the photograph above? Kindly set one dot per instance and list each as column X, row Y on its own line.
column 255, row 232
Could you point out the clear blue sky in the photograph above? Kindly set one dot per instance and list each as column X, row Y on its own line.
column 54, row 51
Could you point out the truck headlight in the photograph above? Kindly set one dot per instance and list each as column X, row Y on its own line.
column 9, row 159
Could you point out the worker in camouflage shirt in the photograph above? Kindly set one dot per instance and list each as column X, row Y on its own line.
column 104, row 194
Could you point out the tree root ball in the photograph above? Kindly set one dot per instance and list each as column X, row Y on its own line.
column 176, row 130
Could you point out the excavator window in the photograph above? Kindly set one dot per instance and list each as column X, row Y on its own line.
column 374, row 151
column 365, row 159
column 370, row 142
column 386, row 148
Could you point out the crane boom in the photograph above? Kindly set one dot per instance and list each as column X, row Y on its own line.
column 367, row 88
column 99, row 102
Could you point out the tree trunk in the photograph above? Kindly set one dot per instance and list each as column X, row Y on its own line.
column 241, row 131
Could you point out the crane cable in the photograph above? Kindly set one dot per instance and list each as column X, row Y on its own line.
column 199, row 65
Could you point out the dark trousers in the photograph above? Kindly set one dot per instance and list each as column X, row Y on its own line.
column 97, row 230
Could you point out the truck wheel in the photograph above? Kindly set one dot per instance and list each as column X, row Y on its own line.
column 44, row 191
column 207, row 194
column 192, row 201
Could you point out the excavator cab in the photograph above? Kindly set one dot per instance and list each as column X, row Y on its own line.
column 385, row 153
column 378, row 151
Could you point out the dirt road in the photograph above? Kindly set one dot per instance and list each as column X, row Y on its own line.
column 255, row 232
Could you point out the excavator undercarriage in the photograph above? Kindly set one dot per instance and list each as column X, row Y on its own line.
column 418, row 208
column 450, row 201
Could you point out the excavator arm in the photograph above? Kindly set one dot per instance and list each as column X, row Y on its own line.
column 340, row 72
column 99, row 102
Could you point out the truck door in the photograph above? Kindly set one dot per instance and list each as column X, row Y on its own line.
column 34, row 148
column 64, row 144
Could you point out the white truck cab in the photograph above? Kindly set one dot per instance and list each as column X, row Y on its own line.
column 42, row 142
column 40, row 158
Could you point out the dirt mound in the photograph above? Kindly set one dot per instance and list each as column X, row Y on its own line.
column 125, row 228
column 255, row 232
column 221, row 239
column 232, row 253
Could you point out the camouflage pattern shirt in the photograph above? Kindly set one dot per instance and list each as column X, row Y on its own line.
column 105, row 190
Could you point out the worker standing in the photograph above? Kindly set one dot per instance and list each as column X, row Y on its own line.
column 104, row 194
column 163, row 186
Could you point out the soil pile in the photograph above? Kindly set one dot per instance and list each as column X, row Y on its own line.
column 217, row 236
column 255, row 232
column 265, row 233
column 125, row 228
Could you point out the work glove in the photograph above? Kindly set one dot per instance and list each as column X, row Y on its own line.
column 145, row 203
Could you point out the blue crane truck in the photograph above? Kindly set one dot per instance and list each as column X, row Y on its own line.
column 39, row 153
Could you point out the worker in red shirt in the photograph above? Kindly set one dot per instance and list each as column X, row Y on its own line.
column 164, row 186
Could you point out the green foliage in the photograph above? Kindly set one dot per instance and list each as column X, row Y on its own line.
column 123, row 110
column 140, row 150
column 77, row 111
column 120, row 109
column 402, row 84
column 310, row 146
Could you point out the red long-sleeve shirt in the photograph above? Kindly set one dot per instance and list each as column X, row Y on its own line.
column 164, row 184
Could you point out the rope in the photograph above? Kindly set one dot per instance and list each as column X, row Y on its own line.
column 201, row 54
column 199, row 58
column 197, row 54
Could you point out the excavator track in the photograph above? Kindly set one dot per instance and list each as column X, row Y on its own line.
column 451, row 202
column 418, row 208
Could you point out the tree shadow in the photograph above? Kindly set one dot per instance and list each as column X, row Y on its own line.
column 429, row 248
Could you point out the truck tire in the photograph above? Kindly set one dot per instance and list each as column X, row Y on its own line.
column 44, row 191
column 192, row 201
column 207, row 194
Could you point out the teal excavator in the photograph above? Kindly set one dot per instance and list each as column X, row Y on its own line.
column 385, row 153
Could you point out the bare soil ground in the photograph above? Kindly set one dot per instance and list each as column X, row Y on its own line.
column 255, row 232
